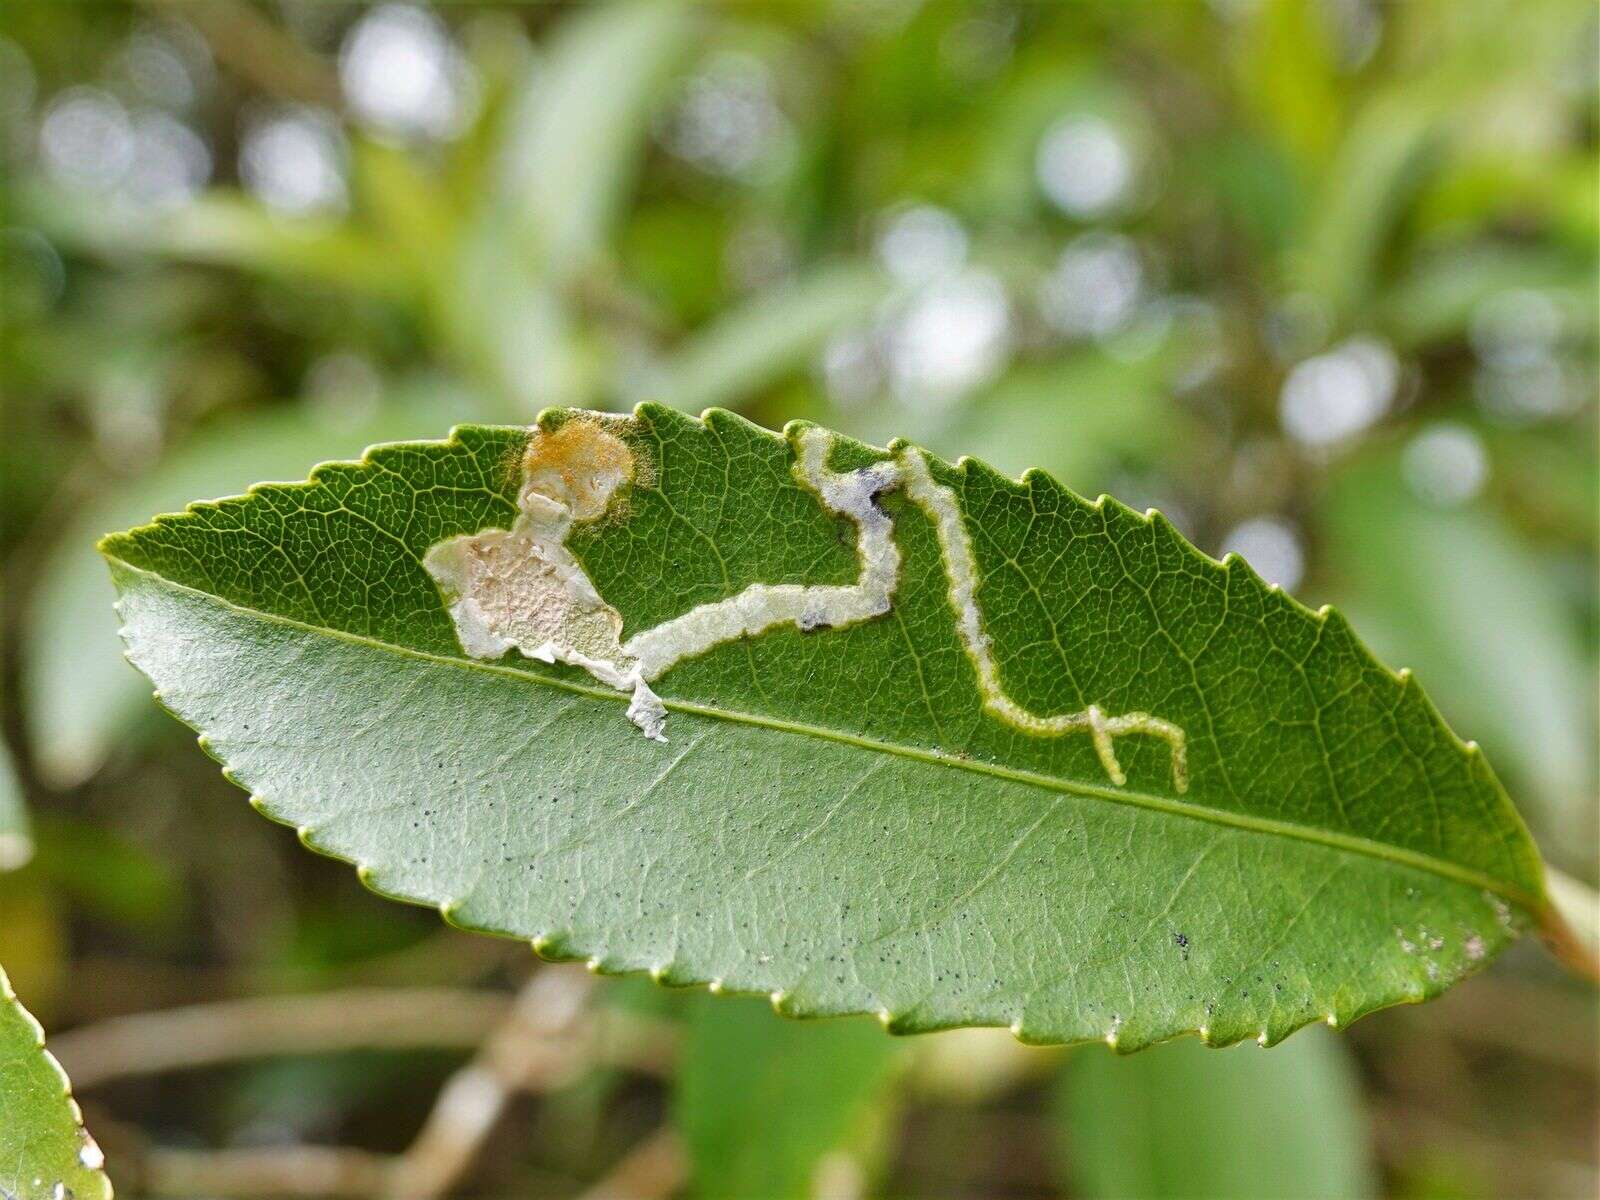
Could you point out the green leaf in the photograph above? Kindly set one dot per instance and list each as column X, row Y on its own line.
column 1177, row 800
column 45, row 1153
column 1179, row 1122
column 1436, row 300
column 762, row 1103
column 109, row 876
column 1387, row 154
column 81, row 697
column 1289, row 73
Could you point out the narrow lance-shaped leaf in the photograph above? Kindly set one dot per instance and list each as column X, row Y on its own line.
column 939, row 745
column 579, row 130
column 45, row 1153
column 758, row 343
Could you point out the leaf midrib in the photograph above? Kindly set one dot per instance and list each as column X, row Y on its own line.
column 1348, row 843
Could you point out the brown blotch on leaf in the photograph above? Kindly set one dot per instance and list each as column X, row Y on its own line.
column 579, row 463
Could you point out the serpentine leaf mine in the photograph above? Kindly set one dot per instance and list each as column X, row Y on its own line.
column 523, row 589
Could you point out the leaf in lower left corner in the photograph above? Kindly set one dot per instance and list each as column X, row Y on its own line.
column 45, row 1152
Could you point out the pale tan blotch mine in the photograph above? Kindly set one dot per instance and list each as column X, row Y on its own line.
column 522, row 588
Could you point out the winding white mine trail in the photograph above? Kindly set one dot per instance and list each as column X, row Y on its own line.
column 763, row 606
column 522, row 588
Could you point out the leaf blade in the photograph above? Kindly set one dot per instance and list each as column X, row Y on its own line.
column 43, row 1145
column 16, row 829
column 579, row 129
column 1067, row 917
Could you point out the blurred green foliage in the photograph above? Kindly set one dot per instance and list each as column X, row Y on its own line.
column 1181, row 1122
column 1316, row 277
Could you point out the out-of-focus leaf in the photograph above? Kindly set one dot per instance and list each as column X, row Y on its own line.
column 234, row 231
column 878, row 804
column 1477, row 57
column 16, row 833
column 1453, row 594
column 1256, row 187
column 1076, row 418
column 81, row 696
column 1183, row 1123
column 570, row 147
column 407, row 204
column 1080, row 417
column 230, row 230
column 108, row 874
column 1379, row 165
column 577, row 133
column 1007, row 128
column 35, row 937
column 1547, row 481
column 756, row 345
column 508, row 326
column 45, row 1152
column 1288, row 77
column 1497, row 188
column 762, row 1101
column 664, row 250
column 1437, row 299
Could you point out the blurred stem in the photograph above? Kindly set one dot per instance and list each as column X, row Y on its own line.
column 107, row 984
column 534, row 1045
column 652, row 1170
column 203, row 1035
column 541, row 1039
column 259, row 52
column 272, row 1171
column 1571, row 924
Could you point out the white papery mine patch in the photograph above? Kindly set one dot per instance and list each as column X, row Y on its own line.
column 522, row 588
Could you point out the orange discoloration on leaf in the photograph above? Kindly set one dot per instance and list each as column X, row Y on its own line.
column 580, row 463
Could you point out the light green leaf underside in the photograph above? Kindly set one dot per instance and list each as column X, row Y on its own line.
column 837, row 819
column 1181, row 1124
column 44, row 1152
